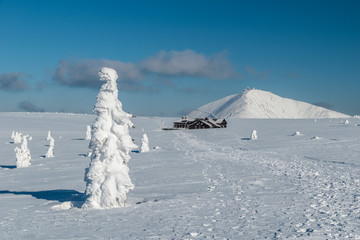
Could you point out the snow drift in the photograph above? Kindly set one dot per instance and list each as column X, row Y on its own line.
column 253, row 103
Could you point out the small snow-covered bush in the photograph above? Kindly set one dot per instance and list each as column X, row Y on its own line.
column 23, row 156
column 107, row 177
column 17, row 137
column 88, row 133
column 50, row 152
column 296, row 133
column 253, row 135
column 144, row 144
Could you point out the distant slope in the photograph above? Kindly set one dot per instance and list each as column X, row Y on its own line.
column 253, row 103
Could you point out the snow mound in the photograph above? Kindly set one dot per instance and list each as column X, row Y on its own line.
column 296, row 133
column 63, row 206
column 253, row 103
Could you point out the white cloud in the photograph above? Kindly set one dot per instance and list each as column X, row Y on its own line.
column 83, row 72
column 189, row 63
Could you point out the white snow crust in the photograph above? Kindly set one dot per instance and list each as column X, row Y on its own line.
column 253, row 103
column 199, row 184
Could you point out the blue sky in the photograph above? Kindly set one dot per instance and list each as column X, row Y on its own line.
column 174, row 56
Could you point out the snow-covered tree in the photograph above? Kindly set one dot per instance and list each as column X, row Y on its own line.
column 13, row 135
column 88, row 133
column 49, row 136
column 144, row 144
column 17, row 137
column 253, row 135
column 50, row 152
column 23, row 156
column 107, row 177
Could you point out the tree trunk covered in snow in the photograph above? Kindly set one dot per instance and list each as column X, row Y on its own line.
column 107, row 177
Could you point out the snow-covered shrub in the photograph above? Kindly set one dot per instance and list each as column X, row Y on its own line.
column 346, row 122
column 253, row 135
column 49, row 136
column 107, row 177
column 23, row 156
column 144, row 144
column 88, row 133
column 296, row 133
column 315, row 138
column 50, row 152
column 17, row 137
column 12, row 135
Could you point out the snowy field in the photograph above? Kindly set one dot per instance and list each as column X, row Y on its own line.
column 198, row 184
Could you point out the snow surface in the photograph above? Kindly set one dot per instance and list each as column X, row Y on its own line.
column 199, row 184
column 253, row 103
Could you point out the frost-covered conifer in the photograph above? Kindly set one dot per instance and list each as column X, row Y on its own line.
column 88, row 133
column 23, row 157
column 107, row 177
column 18, row 137
column 50, row 152
column 144, row 144
column 49, row 136
column 253, row 135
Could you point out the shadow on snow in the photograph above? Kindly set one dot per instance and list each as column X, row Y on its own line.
column 61, row 195
column 8, row 166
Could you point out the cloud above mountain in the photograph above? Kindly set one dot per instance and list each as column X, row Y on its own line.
column 133, row 75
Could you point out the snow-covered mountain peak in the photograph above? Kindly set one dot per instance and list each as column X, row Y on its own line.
column 254, row 103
